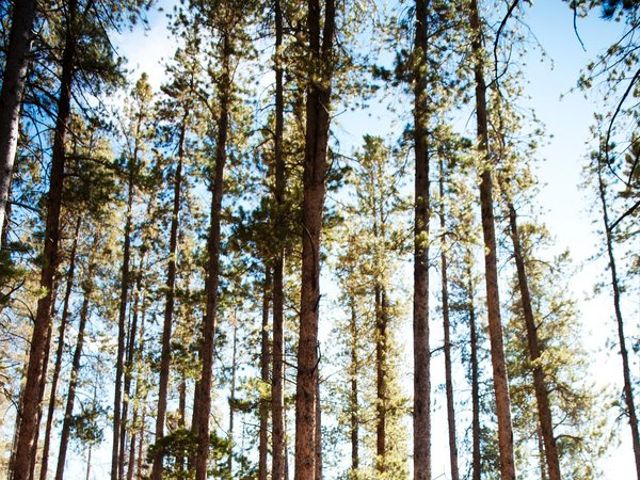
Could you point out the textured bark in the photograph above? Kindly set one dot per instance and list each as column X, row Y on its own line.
column 263, row 446
column 170, row 286
column 535, row 351
column 353, row 400
column 277, row 375
column 202, row 407
column 13, row 82
column 73, row 380
column 28, row 425
column 451, row 411
column 615, row 287
column 500, row 380
column 318, row 104
column 381, row 384
column 475, row 385
column 44, row 466
column 421, row 354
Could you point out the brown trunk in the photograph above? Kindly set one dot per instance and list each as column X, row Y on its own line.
column 141, row 444
column 535, row 351
column 277, row 389
column 615, row 286
column 475, row 384
column 451, row 411
column 318, row 105
column 202, row 407
column 13, row 82
column 73, row 380
column 381, row 385
column 59, row 351
column 165, row 356
column 355, row 424
column 421, row 354
column 28, row 424
column 500, row 380
column 263, row 446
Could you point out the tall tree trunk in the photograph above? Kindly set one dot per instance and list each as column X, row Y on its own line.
column 277, row 375
column 28, row 424
column 353, row 400
column 451, row 411
column 263, row 446
column 73, row 380
column 421, row 353
column 13, row 82
column 535, row 351
column 381, row 372
column 475, row 384
column 202, row 407
column 315, row 168
column 165, row 356
column 232, row 398
column 59, row 351
column 500, row 380
column 615, row 287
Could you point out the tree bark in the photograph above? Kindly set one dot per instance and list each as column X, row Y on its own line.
column 44, row 466
column 475, row 384
column 421, row 353
column 263, row 446
column 73, row 380
column 13, row 82
column 39, row 347
column 451, row 411
column 277, row 387
column 353, row 407
column 165, row 356
column 381, row 384
column 535, row 351
column 315, row 168
column 615, row 287
column 202, row 407
column 500, row 379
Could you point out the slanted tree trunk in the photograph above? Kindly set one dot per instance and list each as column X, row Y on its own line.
column 315, row 168
column 13, row 82
column 500, row 380
column 28, row 425
column 75, row 371
column 535, row 351
column 165, row 356
column 44, row 466
column 615, row 287
column 263, row 446
column 476, row 458
column 451, row 411
column 277, row 375
column 353, row 400
column 202, row 407
column 421, row 353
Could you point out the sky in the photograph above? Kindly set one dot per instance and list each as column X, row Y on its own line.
column 562, row 156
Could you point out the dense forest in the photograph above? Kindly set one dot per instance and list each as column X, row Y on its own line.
column 202, row 276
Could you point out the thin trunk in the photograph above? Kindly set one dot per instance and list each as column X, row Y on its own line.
column 475, row 384
column 88, row 474
column 355, row 424
column 500, row 380
column 421, row 353
column 202, row 407
column 277, row 389
column 165, row 356
column 381, row 385
column 232, row 398
column 263, row 446
column 28, row 424
column 141, row 444
column 59, row 351
column 543, row 470
column 315, row 168
column 73, row 381
column 615, row 287
column 535, row 351
column 13, row 82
